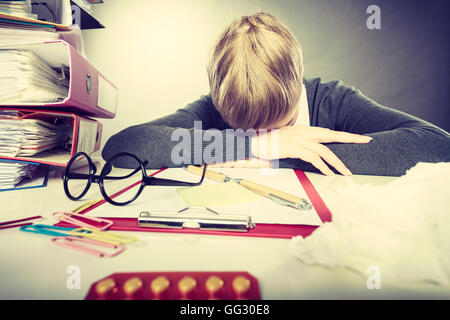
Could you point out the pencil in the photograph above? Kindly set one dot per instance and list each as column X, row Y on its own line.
column 277, row 196
column 86, row 205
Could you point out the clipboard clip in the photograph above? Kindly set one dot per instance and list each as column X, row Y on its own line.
column 195, row 218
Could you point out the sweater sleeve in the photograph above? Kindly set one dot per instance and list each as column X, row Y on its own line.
column 195, row 134
column 399, row 142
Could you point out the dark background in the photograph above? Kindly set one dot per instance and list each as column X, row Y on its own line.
column 156, row 51
column 404, row 65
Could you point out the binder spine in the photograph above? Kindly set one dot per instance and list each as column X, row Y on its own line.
column 83, row 88
column 89, row 135
column 85, row 81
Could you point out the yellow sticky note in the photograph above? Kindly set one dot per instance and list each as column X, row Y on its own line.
column 209, row 195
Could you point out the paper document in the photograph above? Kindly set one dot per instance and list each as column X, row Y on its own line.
column 20, row 8
column 24, row 78
column 19, row 34
column 15, row 175
column 263, row 210
column 27, row 137
column 209, row 195
column 11, row 173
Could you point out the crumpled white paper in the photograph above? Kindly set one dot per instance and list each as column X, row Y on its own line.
column 403, row 228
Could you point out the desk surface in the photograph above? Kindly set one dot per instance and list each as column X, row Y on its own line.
column 32, row 268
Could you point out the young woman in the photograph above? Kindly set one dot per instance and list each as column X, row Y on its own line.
column 257, row 86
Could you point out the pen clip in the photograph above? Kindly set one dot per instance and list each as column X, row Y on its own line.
column 302, row 204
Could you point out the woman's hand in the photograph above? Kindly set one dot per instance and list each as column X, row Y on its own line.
column 304, row 143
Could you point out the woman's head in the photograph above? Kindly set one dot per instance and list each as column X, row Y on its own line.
column 255, row 73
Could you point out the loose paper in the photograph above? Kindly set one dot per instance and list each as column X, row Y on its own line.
column 211, row 195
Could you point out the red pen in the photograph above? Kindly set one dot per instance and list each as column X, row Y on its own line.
column 16, row 223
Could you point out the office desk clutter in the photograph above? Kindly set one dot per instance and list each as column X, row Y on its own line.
column 50, row 94
column 85, row 237
column 402, row 228
column 162, row 209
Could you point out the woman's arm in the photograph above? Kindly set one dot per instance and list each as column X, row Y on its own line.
column 399, row 142
column 180, row 139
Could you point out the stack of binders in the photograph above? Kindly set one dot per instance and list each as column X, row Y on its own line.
column 51, row 97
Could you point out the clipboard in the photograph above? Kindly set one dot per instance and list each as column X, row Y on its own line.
column 280, row 231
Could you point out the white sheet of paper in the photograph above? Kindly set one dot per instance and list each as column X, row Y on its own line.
column 27, row 137
column 155, row 198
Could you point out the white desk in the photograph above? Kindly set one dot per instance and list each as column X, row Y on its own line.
column 32, row 268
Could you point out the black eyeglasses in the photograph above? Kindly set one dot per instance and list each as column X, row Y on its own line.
column 124, row 187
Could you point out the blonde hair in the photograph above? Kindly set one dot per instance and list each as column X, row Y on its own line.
column 255, row 72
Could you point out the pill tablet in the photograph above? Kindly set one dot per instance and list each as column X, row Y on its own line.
column 170, row 285
column 131, row 286
column 159, row 285
column 105, row 286
column 241, row 285
column 186, row 285
column 213, row 284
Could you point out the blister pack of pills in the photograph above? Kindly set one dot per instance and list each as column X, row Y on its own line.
column 176, row 286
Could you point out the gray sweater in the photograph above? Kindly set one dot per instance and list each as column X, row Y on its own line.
column 399, row 140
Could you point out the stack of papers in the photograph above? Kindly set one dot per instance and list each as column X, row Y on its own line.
column 16, row 175
column 20, row 8
column 11, row 173
column 14, row 33
column 27, row 137
column 24, row 78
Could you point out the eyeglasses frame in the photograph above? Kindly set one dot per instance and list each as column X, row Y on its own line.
column 107, row 167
